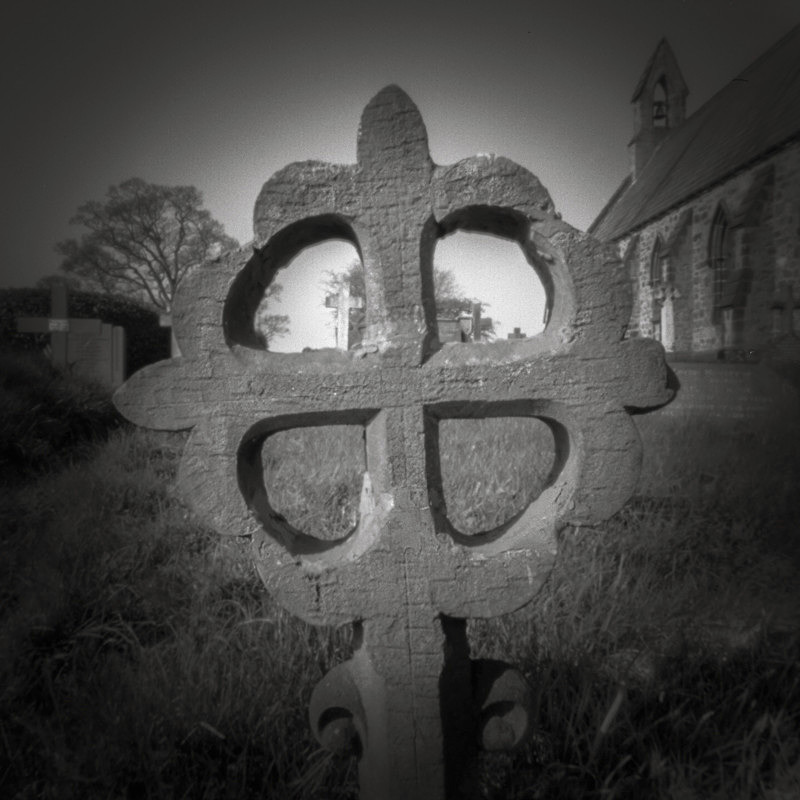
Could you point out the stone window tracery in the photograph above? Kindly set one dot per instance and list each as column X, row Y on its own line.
column 720, row 256
column 657, row 258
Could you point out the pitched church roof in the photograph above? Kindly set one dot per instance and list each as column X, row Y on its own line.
column 756, row 113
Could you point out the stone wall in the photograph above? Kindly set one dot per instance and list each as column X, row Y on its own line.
column 727, row 391
column 763, row 204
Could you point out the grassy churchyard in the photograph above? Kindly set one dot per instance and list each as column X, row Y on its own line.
column 140, row 656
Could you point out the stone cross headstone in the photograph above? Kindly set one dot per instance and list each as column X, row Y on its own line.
column 347, row 334
column 517, row 334
column 410, row 704
column 57, row 324
column 88, row 347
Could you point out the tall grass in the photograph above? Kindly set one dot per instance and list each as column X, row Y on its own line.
column 141, row 658
column 48, row 418
column 664, row 648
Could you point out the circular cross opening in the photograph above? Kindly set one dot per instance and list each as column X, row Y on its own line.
column 270, row 307
column 311, row 297
column 491, row 273
column 493, row 469
column 313, row 478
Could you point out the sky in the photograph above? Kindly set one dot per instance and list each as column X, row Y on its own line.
column 222, row 95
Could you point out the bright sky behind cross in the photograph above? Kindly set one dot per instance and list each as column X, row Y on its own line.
column 221, row 95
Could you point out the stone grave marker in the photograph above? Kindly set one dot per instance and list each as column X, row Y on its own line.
column 349, row 318
column 465, row 328
column 411, row 704
column 88, row 347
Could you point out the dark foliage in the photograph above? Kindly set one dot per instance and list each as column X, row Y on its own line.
column 47, row 419
column 143, row 238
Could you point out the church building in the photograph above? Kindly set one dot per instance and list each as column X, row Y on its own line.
column 708, row 218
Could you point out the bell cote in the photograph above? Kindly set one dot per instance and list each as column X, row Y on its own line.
column 659, row 105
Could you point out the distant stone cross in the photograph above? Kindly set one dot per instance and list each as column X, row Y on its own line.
column 410, row 704
column 343, row 302
column 477, row 326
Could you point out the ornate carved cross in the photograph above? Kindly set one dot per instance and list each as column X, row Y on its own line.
column 410, row 703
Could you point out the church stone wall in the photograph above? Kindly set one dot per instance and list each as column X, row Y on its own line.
column 767, row 244
column 730, row 392
column 787, row 219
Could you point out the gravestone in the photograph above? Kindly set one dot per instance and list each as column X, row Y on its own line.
column 517, row 334
column 465, row 328
column 350, row 321
column 411, row 704
column 87, row 347
column 450, row 330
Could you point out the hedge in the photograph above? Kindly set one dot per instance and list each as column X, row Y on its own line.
column 146, row 341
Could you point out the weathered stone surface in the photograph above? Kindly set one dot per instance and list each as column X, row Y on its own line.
column 405, row 576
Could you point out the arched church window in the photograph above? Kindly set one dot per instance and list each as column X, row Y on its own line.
column 720, row 253
column 667, row 269
column 660, row 118
column 656, row 261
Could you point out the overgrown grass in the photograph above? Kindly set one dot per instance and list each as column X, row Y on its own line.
column 48, row 418
column 664, row 648
column 141, row 658
column 140, row 654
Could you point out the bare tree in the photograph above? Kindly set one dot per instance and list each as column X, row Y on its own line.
column 142, row 240
column 271, row 326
